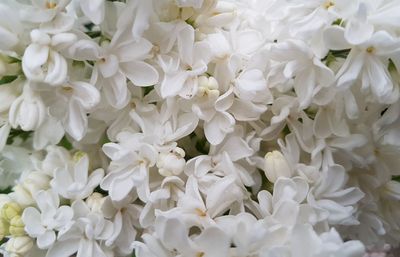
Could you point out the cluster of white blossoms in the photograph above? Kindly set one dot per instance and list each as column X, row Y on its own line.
column 199, row 128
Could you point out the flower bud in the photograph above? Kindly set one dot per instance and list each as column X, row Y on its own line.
column 95, row 202
column 19, row 245
column 36, row 181
column 276, row 166
column 10, row 210
column 208, row 87
column 78, row 155
column 4, row 198
column 4, row 229
column 171, row 163
column 17, row 226
column 22, row 196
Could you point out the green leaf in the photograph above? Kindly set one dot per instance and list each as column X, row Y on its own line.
column 16, row 133
column 7, row 79
column 65, row 143
column 6, row 190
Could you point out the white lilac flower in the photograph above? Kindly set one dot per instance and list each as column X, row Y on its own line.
column 84, row 236
column 52, row 217
column 199, row 128
column 73, row 181
column 42, row 62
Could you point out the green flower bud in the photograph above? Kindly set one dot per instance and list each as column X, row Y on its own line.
column 4, row 229
column 10, row 210
column 17, row 226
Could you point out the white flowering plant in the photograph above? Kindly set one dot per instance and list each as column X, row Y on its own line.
column 199, row 128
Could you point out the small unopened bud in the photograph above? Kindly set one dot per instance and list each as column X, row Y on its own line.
column 17, row 226
column 3, row 229
column 36, row 181
column 22, row 196
column 171, row 163
column 19, row 245
column 276, row 166
column 78, row 155
column 10, row 210
column 208, row 86
column 95, row 202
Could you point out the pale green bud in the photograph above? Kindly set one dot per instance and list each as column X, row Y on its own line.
column 10, row 210
column 3, row 229
column 17, row 226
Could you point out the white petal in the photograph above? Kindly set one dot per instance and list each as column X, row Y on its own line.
column 35, row 55
column 61, row 23
column 63, row 248
column 94, row 10
column 334, row 38
column 116, row 90
column 45, row 240
column 87, row 95
column 206, row 242
column 108, row 65
column 31, row 217
column 140, row 73
column 8, row 39
column 120, row 188
column 76, row 121
column 218, row 127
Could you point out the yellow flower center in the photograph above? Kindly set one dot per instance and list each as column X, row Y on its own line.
column 371, row 50
column 328, row 4
column 51, row 5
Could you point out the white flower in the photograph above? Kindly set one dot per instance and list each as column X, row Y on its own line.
column 171, row 163
column 52, row 217
column 85, row 236
column 28, row 110
column 128, row 170
column 71, row 102
column 340, row 202
column 367, row 61
column 49, row 14
column 73, row 181
column 42, row 62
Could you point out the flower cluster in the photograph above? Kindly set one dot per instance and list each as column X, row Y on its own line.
column 199, row 128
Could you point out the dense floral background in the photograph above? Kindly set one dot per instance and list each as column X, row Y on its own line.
column 199, row 128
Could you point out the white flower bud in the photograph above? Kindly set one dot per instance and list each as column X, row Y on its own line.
column 19, row 245
column 208, row 86
column 4, row 199
column 95, row 202
column 27, row 111
column 36, row 181
column 22, row 196
column 276, row 166
column 171, row 163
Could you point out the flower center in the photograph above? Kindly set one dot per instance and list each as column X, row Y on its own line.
column 328, row 4
column 51, row 5
column 200, row 254
column 200, row 212
column 371, row 50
